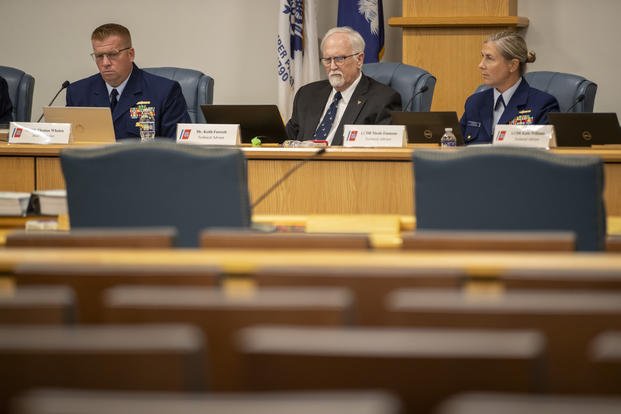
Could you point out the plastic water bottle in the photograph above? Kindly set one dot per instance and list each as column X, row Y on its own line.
column 448, row 140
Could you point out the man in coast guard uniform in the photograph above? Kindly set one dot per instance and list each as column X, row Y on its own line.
column 127, row 89
column 510, row 100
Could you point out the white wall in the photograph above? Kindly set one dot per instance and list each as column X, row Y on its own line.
column 233, row 40
column 579, row 37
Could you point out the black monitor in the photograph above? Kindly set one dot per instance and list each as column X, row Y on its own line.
column 583, row 129
column 263, row 121
column 427, row 127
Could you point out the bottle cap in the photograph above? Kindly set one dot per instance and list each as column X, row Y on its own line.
column 448, row 129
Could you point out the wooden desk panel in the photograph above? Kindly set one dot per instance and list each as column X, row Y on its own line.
column 49, row 175
column 333, row 187
column 16, row 174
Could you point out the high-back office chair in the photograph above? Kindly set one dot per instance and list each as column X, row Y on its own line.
column 157, row 184
column 21, row 88
column 571, row 91
column 407, row 80
column 511, row 189
column 197, row 88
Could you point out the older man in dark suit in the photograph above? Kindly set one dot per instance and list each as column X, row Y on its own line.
column 127, row 89
column 320, row 109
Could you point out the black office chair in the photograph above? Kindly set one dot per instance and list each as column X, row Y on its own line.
column 21, row 88
column 157, row 184
column 573, row 92
column 511, row 189
column 197, row 88
column 407, row 80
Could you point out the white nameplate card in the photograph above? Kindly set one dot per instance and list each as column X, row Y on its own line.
column 374, row 136
column 39, row 133
column 528, row 136
column 208, row 134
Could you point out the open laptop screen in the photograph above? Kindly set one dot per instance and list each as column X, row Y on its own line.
column 427, row 127
column 583, row 129
column 88, row 124
column 263, row 121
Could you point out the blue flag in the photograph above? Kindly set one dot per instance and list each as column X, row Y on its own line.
column 367, row 18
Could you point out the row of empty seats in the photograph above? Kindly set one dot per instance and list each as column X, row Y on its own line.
column 197, row 88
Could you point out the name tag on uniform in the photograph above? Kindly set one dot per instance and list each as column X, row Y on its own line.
column 39, row 133
column 208, row 134
column 374, row 136
column 529, row 136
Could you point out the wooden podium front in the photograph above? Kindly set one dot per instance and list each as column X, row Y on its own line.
column 444, row 37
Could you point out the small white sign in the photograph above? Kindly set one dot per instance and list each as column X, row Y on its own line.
column 529, row 136
column 208, row 134
column 39, row 133
column 374, row 136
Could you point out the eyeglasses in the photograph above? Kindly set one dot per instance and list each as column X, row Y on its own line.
column 338, row 60
column 113, row 55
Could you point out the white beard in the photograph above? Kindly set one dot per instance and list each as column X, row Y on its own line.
column 336, row 79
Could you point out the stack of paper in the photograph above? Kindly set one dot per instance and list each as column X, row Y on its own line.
column 14, row 203
column 49, row 202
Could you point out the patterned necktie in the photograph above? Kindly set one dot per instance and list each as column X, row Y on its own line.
column 328, row 119
column 113, row 100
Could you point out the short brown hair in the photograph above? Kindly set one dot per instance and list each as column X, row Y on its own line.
column 112, row 29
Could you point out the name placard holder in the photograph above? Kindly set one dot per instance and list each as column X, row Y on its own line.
column 391, row 136
column 208, row 134
column 39, row 133
column 527, row 136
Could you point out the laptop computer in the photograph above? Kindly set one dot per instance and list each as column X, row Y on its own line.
column 88, row 124
column 263, row 121
column 583, row 129
column 427, row 127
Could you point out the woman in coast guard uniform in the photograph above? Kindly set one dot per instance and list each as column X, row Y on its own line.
column 509, row 100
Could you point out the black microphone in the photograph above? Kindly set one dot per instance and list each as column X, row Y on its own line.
column 287, row 174
column 579, row 99
column 63, row 86
column 411, row 101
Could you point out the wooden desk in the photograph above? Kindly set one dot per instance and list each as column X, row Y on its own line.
column 342, row 181
column 240, row 261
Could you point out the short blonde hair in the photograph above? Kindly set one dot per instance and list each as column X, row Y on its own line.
column 513, row 46
column 112, row 29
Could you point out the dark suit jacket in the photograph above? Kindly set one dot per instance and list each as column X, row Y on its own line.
column 6, row 107
column 164, row 94
column 527, row 106
column 370, row 104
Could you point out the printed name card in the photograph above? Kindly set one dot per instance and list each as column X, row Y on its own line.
column 208, row 134
column 529, row 136
column 374, row 136
column 39, row 133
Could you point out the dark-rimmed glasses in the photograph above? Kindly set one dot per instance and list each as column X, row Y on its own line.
column 112, row 55
column 338, row 60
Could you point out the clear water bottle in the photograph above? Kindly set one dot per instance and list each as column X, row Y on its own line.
column 448, row 140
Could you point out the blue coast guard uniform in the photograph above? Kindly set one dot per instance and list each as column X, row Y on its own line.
column 527, row 106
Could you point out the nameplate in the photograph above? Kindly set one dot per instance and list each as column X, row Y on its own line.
column 374, row 136
column 39, row 133
column 528, row 136
column 208, row 134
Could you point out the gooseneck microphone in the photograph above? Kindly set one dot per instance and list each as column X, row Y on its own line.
column 285, row 176
column 411, row 101
column 579, row 99
column 63, row 86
